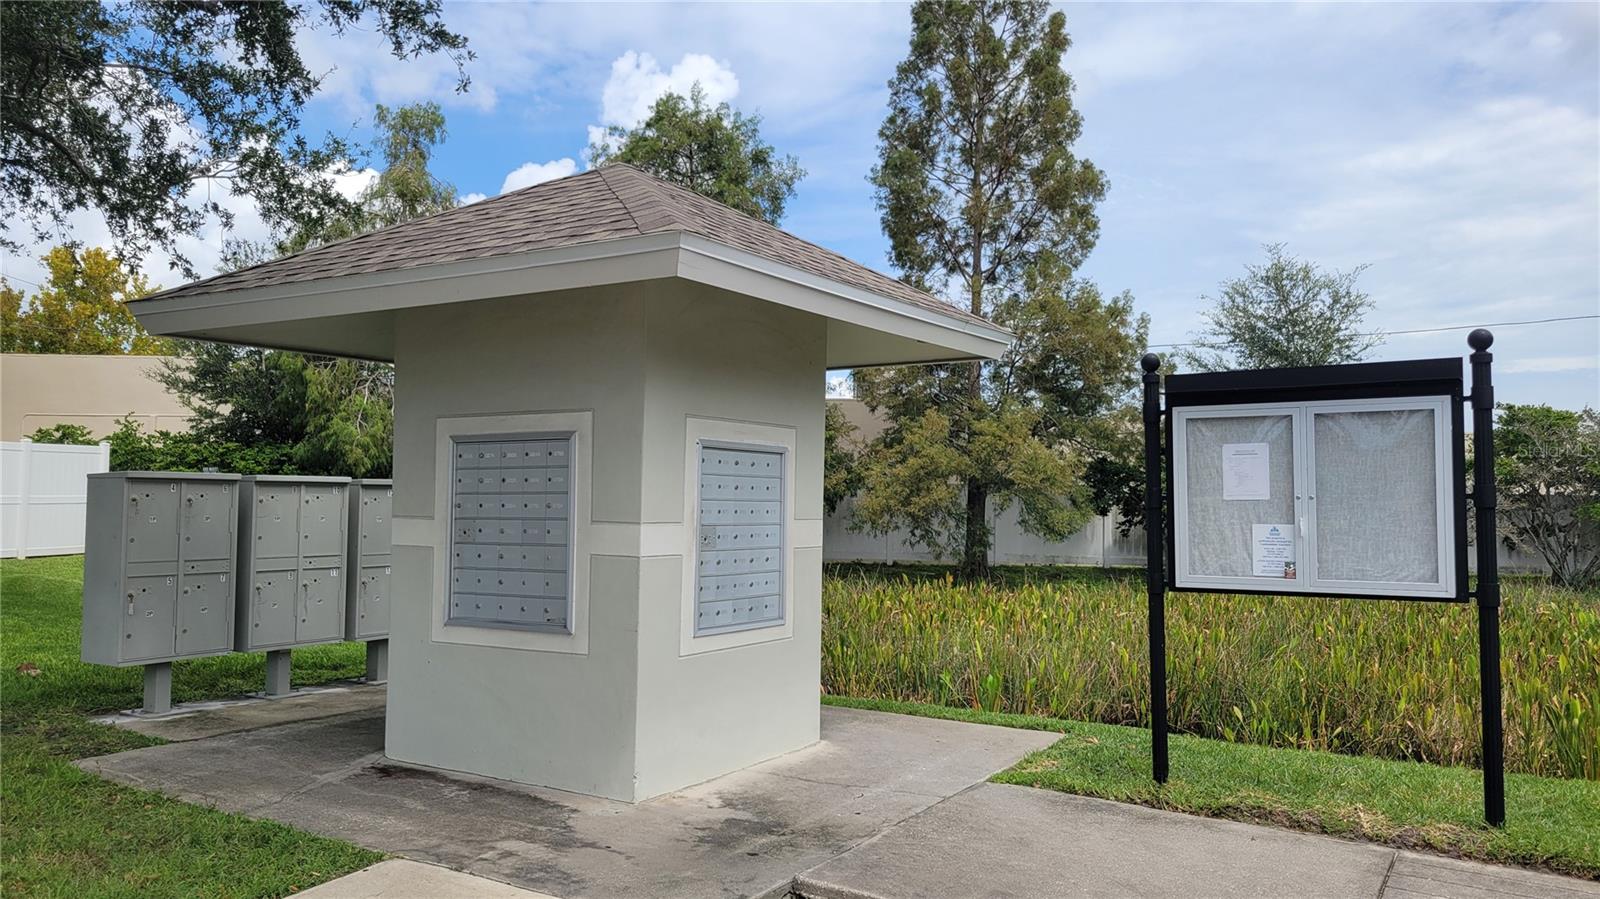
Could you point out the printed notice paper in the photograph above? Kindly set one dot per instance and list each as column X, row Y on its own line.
column 1244, row 471
column 1274, row 550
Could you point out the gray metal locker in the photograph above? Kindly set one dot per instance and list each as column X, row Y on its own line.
column 158, row 571
column 371, row 544
column 292, row 562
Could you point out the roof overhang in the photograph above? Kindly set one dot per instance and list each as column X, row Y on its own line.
column 353, row 315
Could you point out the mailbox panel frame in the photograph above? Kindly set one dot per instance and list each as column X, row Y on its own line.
column 574, row 639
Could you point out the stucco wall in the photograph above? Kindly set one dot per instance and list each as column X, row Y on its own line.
column 717, row 356
column 38, row 390
column 554, row 719
column 632, row 715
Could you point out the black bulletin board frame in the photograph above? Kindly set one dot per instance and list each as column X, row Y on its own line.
column 1374, row 380
column 1369, row 380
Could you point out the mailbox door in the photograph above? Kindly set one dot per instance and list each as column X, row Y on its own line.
column 320, row 616
column 203, row 625
column 372, row 602
column 274, row 608
column 376, row 503
column 277, row 528
column 148, row 612
column 151, row 525
column 321, row 517
column 206, row 519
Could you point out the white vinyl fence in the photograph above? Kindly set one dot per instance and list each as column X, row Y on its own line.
column 44, row 489
column 1099, row 543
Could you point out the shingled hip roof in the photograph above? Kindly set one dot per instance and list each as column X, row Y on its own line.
column 614, row 201
column 517, row 240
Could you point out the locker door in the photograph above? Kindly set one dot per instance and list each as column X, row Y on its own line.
column 372, row 602
column 277, row 528
column 274, row 598
column 152, row 521
column 203, row 625
column 321, row 520
column 321, row 617
column 147, row 631
column 206, row 520
column 376, row 503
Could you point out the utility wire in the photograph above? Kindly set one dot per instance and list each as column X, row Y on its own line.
column 1536, row 321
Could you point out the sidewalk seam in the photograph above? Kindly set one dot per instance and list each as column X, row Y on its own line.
column 1383, row 885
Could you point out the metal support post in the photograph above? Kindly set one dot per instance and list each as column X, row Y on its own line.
column 1155, row 555
column 1488, row 592
column 278, row 672
column 377, row 661
column 158, row 688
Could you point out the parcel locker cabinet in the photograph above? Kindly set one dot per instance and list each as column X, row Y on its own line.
column 292, row 561
column 370, row 533
column 158, row 577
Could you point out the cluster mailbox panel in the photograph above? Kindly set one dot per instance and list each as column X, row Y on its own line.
column 292, row 561
column 159, row 566
column 371, row 542
column 511, row 532
column 739, row 539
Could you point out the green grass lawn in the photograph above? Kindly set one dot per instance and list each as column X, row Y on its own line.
column 70, row 834
column 1551, row 823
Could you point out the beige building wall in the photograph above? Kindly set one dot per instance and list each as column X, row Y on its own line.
column 38, row 390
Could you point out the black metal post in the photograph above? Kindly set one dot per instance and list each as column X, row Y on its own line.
column 1488, row 592
column 1155, row 555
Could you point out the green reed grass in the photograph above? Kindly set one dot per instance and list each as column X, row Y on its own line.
column 1389, row 679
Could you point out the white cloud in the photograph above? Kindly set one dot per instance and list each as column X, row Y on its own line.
column 531, row 173
column 637, row 81
column 1549, row 364
column 469, row 199
column 352, row 184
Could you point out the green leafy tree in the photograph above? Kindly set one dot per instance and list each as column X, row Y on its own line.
column 64, row 435
column 1547, row 471
column 982, row 197
column 840, row 476
column 120, row 108
column 81, row 308
column 714, row 151
column 337, row 415
column 1286, row 313
column 404, row 190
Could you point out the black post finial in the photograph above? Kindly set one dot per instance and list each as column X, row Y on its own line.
column 1151, row 363
column 1481, row 339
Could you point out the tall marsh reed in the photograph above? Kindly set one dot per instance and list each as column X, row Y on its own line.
column 1381, row 678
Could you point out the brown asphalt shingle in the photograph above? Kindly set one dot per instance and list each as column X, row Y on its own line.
column 610, row 202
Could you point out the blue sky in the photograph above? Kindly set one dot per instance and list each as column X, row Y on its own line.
column 1454, row 148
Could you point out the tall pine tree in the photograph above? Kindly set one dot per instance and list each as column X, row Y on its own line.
column 985, row 202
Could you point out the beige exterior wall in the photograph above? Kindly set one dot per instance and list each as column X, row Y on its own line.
column 620, row 708
column 38, row 390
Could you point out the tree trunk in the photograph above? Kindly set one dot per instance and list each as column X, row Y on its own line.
column 975, row 552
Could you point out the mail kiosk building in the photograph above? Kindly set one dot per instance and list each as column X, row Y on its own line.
column 607, row 510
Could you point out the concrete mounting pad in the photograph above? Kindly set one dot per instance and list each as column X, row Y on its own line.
column 198, row 720
column 747, row 833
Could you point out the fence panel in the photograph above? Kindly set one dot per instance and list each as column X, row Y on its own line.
column 44, row 492
column 1098, row 543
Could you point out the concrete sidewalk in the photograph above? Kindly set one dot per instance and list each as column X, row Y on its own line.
column 885, row 807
